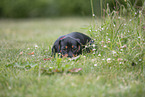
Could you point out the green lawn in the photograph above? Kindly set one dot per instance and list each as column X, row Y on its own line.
column 107, row 72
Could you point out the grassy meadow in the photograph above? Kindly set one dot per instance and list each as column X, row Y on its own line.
column 114, row 69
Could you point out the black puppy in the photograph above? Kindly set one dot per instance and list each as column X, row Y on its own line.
column 71, row 45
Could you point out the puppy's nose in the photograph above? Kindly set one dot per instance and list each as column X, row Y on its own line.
column 70, row 54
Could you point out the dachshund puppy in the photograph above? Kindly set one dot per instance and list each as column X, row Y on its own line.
column 71, row 45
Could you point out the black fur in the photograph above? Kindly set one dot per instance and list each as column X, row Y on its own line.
column 70, row 45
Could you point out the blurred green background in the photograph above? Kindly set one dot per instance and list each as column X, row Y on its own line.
column 51, row 8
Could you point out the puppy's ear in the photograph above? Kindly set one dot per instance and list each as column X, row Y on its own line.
column 56, row 47
column 59, row 46
column 79, row 46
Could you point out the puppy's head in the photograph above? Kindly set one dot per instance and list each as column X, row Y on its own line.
column 70, row 47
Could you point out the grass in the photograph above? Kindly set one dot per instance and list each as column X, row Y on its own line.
column 107, row 71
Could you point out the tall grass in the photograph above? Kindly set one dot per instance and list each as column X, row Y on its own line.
column 121, row 38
